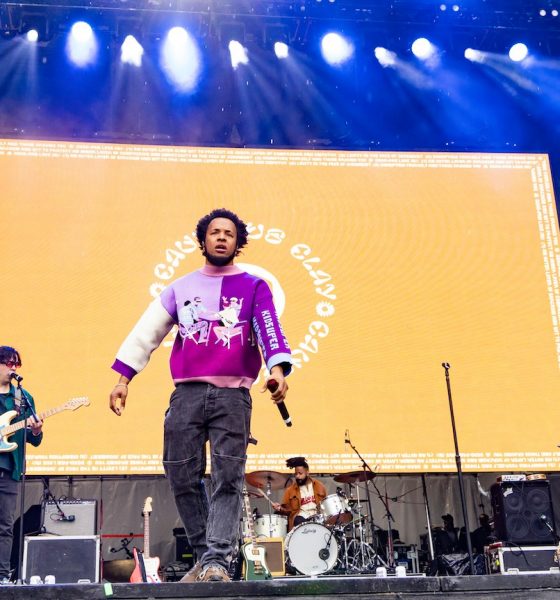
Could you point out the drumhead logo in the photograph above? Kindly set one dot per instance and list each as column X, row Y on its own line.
column 174, row 257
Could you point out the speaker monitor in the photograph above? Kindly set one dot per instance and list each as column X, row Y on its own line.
column 69, row 558
column 523, row 512
column 70, row 517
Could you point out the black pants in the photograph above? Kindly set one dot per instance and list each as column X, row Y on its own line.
column 8, row 507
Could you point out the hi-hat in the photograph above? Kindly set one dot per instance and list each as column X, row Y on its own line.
column 265, row 479
column 354, row 476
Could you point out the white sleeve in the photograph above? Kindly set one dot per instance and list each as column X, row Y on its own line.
column 145, row 336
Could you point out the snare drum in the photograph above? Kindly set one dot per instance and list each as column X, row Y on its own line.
column 274, row 526
column 312, row 549
column 336, row 510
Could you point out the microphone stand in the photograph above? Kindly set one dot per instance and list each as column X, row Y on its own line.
column 390, row 519
column 25, row 407
column 48, row 495
column 447, row 366
column 366, row 468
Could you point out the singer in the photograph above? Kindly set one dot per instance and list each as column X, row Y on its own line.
column 301, row 500
column 11, row 462
column 223, row 316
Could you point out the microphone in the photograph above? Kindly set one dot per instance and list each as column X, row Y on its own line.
column 272, row 386
column 68, row 518
column 544, row 519
column 347, row 437
column 340, row 492
column 14, row 375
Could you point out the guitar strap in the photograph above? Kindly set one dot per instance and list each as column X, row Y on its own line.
column 17, row 400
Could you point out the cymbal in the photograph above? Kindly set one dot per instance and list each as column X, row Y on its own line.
column 262, row 479
column 354, row 476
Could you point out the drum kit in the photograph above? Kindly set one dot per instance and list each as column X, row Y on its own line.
column 333, row 541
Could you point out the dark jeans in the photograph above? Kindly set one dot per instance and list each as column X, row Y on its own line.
column 201, row 412
column 8, row 508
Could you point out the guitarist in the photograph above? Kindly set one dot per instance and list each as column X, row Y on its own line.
column 213, row 367
column 11, row 462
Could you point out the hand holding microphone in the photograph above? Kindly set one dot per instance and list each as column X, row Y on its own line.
column 272, row 386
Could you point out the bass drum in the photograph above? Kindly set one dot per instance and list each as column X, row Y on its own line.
column 311, row 549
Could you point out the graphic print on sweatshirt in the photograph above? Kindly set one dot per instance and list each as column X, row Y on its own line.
column 198, row 324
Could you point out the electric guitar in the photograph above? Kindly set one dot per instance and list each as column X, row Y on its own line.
column 6, row 429
column 146, row 567
column 253, row 555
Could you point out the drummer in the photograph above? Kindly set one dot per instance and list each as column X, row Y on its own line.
column 302, row 499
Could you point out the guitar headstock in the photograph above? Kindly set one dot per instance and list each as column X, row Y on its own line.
column 75, row 403
column 147, row 506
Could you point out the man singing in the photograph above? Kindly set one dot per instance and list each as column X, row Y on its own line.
column 11, row 463
column 213, row 367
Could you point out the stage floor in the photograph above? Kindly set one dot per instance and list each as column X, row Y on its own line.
column 513, row 587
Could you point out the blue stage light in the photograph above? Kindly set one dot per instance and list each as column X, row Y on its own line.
column 281, row 50
column 180, row 59
column 422, row 48
column 518, row 52
column 336, row 49
column 238, row 54
column 385, row 57
column 131, row 51
column 32, row 35
column 81, row 45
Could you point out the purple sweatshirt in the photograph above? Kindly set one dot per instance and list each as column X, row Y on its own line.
column 223, row 315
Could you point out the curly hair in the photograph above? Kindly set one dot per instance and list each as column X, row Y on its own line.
column 297, row 461
column 222, row 213
column 7, row 353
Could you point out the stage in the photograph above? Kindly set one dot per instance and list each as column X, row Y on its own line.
column 513, row 587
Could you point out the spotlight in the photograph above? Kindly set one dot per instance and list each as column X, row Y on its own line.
column 281, row 50
column 443, row 7
column 473, row 55
column 238, row 54
column 180, row 59
column 336, row 49
column 81, row 31
column 423, row 48
column 385, row 57
column 455, row 8
column 35, row 27
column 81, row 45
column 518, row 52
column 131, row 51
column 542, row 12
column 554, row 12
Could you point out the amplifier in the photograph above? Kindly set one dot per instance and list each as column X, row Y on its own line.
column 522, row 559
column 273, row 554
column 71, row 559
column 75, row 517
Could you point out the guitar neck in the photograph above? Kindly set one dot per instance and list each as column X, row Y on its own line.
column 249, row 515
column 146, row 535
column 9, row 429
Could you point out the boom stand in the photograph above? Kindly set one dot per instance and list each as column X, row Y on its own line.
column 385, row 500
column 447, row 366
column 24, row 407
column 366, row 468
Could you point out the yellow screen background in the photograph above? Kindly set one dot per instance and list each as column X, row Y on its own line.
column 391, row 263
